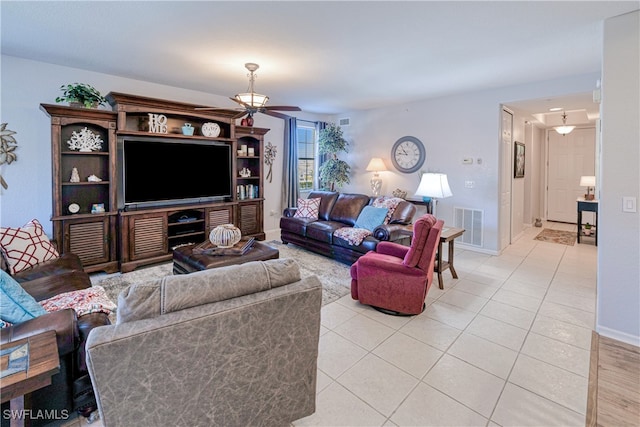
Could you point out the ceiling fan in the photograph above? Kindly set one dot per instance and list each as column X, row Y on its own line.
column 253, row 103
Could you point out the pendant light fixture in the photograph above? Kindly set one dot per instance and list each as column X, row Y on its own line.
column 564, row 129
column 251, row 98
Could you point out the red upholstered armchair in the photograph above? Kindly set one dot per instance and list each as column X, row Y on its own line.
column 395, row 278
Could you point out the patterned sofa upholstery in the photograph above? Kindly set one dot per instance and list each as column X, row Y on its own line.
column 338, row 210
column 231, row 346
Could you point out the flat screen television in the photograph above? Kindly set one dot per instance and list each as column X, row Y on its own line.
column 164, row 171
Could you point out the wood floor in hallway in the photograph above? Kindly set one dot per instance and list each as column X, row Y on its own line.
column 614, row 383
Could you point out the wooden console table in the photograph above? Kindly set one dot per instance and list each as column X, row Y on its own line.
column 42, row 364
column 588, row 206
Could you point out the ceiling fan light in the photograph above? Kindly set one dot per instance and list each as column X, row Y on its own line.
column 253, row 99
column 563, row 130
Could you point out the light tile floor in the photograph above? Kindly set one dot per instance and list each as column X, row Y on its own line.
column 505, row 344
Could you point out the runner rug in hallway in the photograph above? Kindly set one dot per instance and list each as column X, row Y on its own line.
column 557, row 236
column 334, row 276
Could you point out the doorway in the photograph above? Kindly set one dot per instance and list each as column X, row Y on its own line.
column 569, row 157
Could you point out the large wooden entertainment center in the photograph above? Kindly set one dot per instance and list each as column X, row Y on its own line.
column 90, row 219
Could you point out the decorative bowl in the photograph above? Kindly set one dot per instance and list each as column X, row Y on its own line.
column 225, row 235
column 211, row 129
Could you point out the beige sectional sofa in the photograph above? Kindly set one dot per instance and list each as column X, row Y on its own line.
column 232, row 346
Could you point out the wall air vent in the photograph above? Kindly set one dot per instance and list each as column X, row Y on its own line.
column 471, row 220
column 344, row 122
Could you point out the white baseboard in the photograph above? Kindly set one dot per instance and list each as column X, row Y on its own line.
column 460, row 245
column 617, row 335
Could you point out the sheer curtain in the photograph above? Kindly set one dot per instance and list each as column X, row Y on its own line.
column 290, row 190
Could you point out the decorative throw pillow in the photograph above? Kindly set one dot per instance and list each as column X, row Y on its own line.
column 391, row 203
column 26, row 246
column 307, row 208
column 371, row 217
column 16, row 305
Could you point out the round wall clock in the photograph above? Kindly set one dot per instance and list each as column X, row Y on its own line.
column 408, row 154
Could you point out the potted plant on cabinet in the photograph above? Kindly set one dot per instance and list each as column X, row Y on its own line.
column 587, row 229
column 333, row 171
column 81, row 95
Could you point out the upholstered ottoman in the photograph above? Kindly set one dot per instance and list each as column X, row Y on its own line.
column 185, row 261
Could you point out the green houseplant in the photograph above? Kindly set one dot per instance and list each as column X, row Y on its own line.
column 333, row 171
column 81, row 93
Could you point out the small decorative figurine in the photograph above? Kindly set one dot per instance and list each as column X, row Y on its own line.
column 75, row 176
column 93, row 178
column 245, row 172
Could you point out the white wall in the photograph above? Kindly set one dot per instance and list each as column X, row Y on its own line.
column 26, row 84
column 451, row 128
column 618, row 306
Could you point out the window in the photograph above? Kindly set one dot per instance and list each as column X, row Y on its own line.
column 306, row 156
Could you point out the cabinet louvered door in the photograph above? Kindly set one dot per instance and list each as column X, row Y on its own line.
column 250, row 219
column 216, row 217
column 89, row 239
column 148, row 236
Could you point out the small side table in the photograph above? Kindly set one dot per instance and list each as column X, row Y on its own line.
column 587, row 206
column 448, row 235
column 42, row 364
column 428, row 205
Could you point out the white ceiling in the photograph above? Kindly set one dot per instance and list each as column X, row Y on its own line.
column 326, row 57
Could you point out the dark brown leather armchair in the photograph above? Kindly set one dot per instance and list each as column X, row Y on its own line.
column 71, row 388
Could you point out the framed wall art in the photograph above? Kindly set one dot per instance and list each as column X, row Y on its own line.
column 518, row 160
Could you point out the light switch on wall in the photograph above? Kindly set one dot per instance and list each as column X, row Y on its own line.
column 629, row 204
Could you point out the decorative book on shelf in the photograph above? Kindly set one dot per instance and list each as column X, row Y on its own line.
column 240, row 248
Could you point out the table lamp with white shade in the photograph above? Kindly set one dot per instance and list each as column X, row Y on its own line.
column 588, row 181
column 376, row 165
column 434, row 186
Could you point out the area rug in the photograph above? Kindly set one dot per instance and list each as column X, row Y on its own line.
column 334, row 276
column 557, row 236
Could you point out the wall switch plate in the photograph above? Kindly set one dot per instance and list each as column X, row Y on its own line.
column 629, row 204
column 469, row 184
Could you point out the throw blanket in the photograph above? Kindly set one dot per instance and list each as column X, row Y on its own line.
column 83, row 301
column 353, row 235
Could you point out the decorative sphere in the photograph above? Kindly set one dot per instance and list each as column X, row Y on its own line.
column 225, row 235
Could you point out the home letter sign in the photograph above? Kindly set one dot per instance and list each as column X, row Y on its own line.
column 157, row 123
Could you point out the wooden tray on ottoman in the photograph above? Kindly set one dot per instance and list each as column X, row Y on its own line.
column 240, row 248
column 186, row 260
